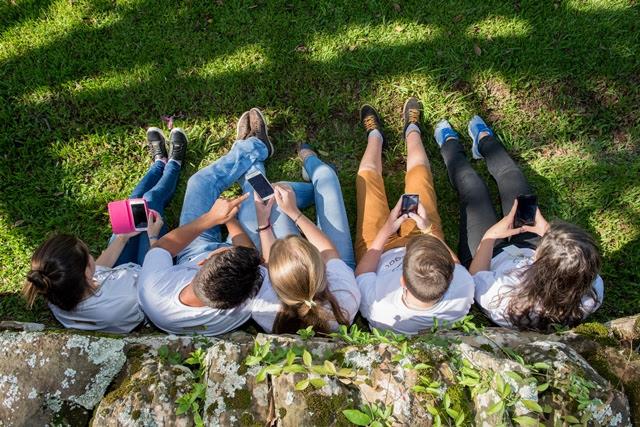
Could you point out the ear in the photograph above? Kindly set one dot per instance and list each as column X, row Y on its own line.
column 402, row 282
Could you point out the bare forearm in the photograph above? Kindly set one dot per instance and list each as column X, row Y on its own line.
column 110, row 255
column 238, row 236
column 178, row 239
column 314, row 235
column 267, row 238
column 370, row 260
column 482, row 259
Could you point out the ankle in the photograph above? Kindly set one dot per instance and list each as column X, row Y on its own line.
column 375, row 136
column 305, row 153
column 483, row 134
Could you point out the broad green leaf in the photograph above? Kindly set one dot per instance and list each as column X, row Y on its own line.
column 499, row 384
column 262, row 375
column 496, row 407
column 317, row 382
column 432, row 410
column 541, row 365
column 252, row 360
column 274, row 370
column 532, row 405
column 357, row 417
column 291, row 356
column 301, row 385
column 294, row 369
column 376, row 423
column 451, row 412
column 418, row 389
column 460, row 419
column 346, row 372
column 421, row 366
column 571, row 419
column 446, row 401
column 542, row 387
column 514, row 376
column 526, row 421
column 437, row 421
column 306, row 358
column 330, row 367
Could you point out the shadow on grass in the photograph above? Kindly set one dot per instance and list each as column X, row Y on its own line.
column 127, row 64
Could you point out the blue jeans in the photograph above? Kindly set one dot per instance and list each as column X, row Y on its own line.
column 205, row 186
column 324, row 190
column 156, row 187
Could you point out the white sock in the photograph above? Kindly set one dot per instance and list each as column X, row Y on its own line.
column 375, row 133
column 411, row 128
column 177, row 161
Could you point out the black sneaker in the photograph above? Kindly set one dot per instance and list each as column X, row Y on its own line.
column 411, row 113
column 179, row 141
column 243, row 128
column 259, row 129
column 370, row 120
column 156, row 144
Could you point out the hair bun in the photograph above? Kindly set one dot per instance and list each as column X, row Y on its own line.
column 39, row 280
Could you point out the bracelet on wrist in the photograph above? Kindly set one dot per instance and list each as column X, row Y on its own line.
column 295, row 221
column 153, row 237
column 263, row 228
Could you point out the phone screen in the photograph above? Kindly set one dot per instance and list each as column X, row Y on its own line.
column 261, row 185
column 139, row 215
column 409, row 203
column 526, row 211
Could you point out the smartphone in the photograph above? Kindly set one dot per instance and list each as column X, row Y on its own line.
column 526, row 211
column 261, row 185
column 139, row 214
column 409, row 204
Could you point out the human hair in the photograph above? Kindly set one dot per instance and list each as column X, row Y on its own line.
column 229, row 278
column 427, row 268
column 58, row 272
column 299, row 278
column 551, row 289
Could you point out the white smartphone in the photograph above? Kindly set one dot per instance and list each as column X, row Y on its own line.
column 261, row 185
column 139, row 213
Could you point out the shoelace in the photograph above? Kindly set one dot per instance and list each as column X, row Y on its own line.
column 414, row 116
column 370, row 123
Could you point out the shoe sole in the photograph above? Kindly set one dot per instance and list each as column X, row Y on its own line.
column 270, row 146
column 246, row 113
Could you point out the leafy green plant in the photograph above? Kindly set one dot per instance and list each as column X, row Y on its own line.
column 371, row 414
column 169, row 356
column 306, row 333
column 193, row 400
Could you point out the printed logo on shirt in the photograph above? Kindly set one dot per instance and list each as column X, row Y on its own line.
column 393, row 264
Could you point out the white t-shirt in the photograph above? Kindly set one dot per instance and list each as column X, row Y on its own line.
column 493, row 287
column 159, row 290
column 112, row 308
column 382, row 303
column 341, row 282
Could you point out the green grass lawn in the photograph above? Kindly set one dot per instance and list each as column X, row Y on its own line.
column 81, row 80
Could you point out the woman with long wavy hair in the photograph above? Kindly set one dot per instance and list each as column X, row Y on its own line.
column 527, row 277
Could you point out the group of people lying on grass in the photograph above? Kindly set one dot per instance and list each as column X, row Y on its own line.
column 288, row 272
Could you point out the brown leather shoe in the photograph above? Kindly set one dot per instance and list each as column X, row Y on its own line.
column 371, row 121
column 258, row 126
column 243, row 128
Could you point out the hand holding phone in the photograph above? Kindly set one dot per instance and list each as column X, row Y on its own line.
column 526, row 211
column 409, row 204
column 261, row 185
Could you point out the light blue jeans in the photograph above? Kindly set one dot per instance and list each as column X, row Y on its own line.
column 156, row 187
column 324, row 190
column 206, row 185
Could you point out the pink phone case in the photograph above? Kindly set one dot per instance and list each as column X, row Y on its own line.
column 121, row 216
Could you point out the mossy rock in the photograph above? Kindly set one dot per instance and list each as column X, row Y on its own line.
column 597, row 332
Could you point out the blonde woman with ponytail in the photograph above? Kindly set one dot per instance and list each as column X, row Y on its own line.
column 308, row 282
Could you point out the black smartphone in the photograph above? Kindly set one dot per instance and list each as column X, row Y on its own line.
column 526, row 210
column 261, row 185
column 139, row 213
column 409, row 204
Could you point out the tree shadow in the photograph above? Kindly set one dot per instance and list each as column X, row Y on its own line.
column 125, row 65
